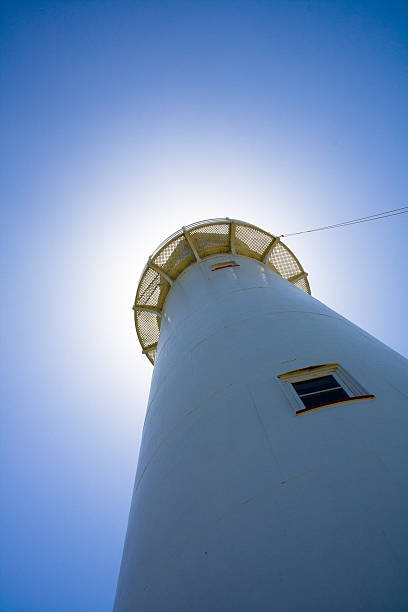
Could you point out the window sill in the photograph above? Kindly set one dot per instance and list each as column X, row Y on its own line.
column 343, row 401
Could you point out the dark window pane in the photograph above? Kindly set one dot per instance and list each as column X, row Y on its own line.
column 326, row 397
column 315, row 384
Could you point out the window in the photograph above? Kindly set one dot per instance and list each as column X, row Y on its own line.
column 220, row 265
column 320, row 391
column 319, row 386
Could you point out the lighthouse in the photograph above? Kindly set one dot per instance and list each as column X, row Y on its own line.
column 272, row 473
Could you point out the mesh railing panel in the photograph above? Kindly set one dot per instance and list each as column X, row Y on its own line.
column 152, row 290
column 284, row 261
column 251, row 242
column 174, row 257
column 148, row 327
column 210, row 239
column 151, row 354
column 149, row 288
column 181, row 258
column 302, row 284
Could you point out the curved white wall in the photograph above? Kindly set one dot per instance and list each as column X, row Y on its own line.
column 241, row 506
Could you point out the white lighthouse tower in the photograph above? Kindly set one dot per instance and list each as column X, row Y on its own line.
column 272, row 474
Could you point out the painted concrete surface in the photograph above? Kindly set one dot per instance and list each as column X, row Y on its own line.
column 239, row 505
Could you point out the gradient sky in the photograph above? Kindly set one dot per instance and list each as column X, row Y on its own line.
column 121, row 122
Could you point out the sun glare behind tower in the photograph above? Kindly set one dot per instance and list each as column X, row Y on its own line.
column 273, row 464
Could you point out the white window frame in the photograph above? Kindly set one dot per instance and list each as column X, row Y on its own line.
column 353, row 388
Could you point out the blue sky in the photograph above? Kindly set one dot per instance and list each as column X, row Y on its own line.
column 121, row 122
